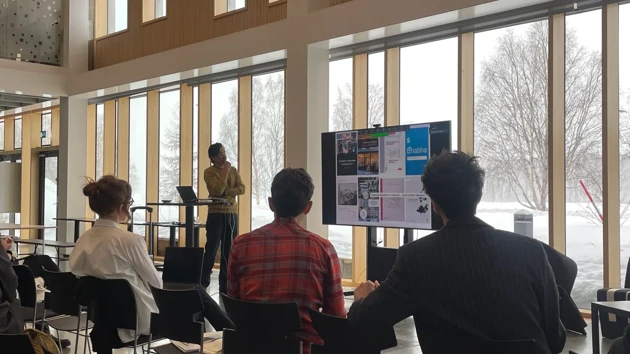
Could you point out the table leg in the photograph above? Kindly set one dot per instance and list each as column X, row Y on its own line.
column 76, row 230
column 196, row 240
column 171, row 236
column 595, row 328
column 190, row 225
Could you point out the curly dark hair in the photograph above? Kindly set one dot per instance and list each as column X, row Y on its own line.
column 214, row 150
column 291, row 190
column 454, row 181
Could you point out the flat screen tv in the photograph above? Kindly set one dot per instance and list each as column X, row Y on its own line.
column 372, row 177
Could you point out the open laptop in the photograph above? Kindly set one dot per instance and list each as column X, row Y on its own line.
column 182, row 267
column 188, row 195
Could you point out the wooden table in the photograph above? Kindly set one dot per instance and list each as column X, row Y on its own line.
column 77, row 224
column 619, row 308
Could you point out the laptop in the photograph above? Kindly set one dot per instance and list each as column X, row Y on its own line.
column 188, row 195
column 182, row 267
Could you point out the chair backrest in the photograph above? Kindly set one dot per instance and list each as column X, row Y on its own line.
column 235, row 343
column 37, row 263
column 176, row 318
column 263, row 320
column 26, row 285
column 475, row 346
column 111, row 302
column 340, row 337
column 182, row 264
column 61, row 299
column 19, row 343
column 564, row 268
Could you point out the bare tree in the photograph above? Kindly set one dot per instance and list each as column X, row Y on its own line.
column 342, row 108
column 511, row 119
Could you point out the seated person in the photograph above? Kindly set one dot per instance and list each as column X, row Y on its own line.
column 107, row 252
column 11, row 321
column 468, row 280
column 284, row 263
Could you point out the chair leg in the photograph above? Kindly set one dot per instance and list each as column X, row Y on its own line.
column 76, row 345
column 87, row 337
column 35, row 315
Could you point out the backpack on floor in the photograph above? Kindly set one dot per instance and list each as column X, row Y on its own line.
column 42, row 342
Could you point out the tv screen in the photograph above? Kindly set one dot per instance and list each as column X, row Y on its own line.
column 372, row 177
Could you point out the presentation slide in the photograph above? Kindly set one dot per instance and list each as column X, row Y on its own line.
column 375, row 179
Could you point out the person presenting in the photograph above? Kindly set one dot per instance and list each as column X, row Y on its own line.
column 467, row 281
column 224, row 182
column 107, row 252
column 284, row 263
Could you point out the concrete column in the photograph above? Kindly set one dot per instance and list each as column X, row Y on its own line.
column 72, row 162
column 76, row 36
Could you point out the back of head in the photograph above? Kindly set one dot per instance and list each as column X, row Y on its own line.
column 107, row 194
column 291, row 191
column 454, row 182
column 214, row 150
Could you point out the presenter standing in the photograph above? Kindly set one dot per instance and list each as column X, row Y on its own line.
column 223, row 181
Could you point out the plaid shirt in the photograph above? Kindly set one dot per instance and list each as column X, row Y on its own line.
column 282, row 262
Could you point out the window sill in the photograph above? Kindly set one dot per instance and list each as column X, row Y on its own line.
column 111, row 35
column 275, row 3
column 230, row 13
column 155, row 20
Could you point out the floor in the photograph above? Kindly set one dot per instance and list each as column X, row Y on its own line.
column 405, row 332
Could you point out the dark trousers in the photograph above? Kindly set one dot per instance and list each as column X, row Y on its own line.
column 220, row 229
column 213, row 312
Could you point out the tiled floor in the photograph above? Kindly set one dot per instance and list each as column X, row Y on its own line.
column 406, row 334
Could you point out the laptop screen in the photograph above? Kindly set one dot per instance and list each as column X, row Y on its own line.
column 187, row 193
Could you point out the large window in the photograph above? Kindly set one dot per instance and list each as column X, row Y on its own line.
column 2, row 134
column 138, row 155
column 153, row 9
column 267, row 141
column 624, row 134
column 224, row 6
column 116, row 15
column 225, row 118
column 340, row 118
column 100, row 129
column 169, row 156
column 17, row 133
column 50, row 174
column 195, row 145
column 510, row 125
column 583, row 152
column 428, row 88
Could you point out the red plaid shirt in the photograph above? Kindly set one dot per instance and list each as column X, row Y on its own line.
column 282, row 262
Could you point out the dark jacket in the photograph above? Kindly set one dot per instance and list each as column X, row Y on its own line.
column 10, row 317
column 469, row 281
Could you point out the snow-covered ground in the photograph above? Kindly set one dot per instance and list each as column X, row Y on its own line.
column 584, row 241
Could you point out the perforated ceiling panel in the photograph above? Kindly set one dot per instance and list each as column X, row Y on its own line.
column 32, row 30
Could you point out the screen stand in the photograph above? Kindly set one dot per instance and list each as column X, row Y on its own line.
column 407, row 236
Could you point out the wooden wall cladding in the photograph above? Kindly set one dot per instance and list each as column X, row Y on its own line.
column 337, row 2
column 186, row 22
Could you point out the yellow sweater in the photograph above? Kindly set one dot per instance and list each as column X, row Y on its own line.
column 219, row 189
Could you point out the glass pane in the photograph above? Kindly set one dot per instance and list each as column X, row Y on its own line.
column 138, row 156
column 17, row 133
column 340, row 118
column 235, row 4
column 100, row 124
column 117, row 15
column 624, row 134
column 583, row 154
column 428, row 88
column 50, row 196
column 2, row 135
column 267, row 141
column 169, row 157
column 116, row 140
column 511, row 126
column 225, row 118
column 160, row 8
column 428, row 84
column 47, row 127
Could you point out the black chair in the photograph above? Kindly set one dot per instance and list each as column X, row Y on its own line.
column 340, row 337
column 468, row 346
column 31, row 310
column 261, row 327
column 111, row 304
column 180, row 317
column 19, row 343
column 62, row 301
column 612, row 326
